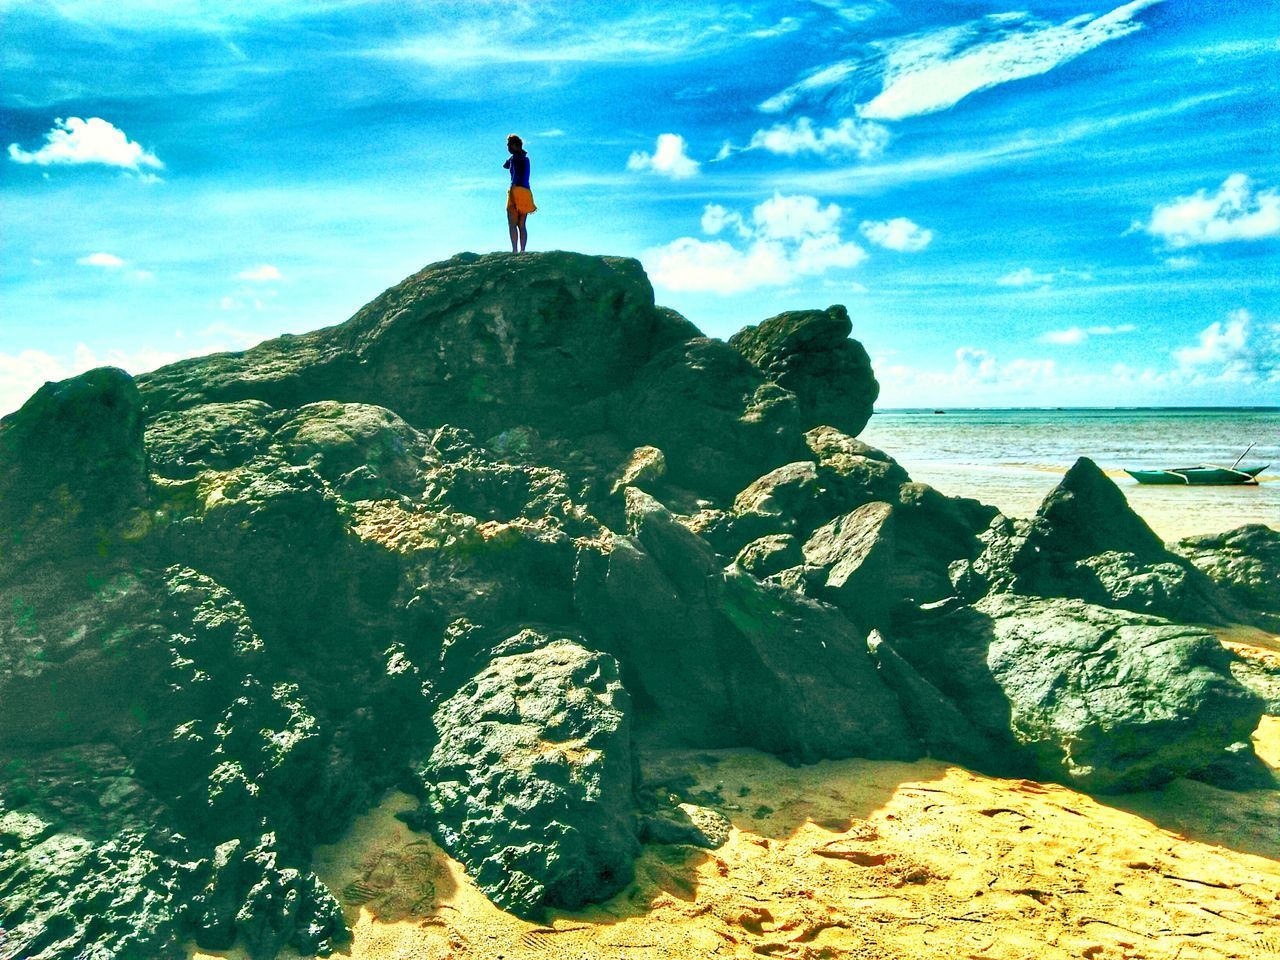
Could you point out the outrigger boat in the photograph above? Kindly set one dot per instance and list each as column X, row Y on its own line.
column 1205, row 474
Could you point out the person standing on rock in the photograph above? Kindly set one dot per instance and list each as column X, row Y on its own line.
column 519, row 196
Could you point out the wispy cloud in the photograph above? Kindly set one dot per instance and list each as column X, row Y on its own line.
column 669, row 158
column 76, row 141
column 108, row 260
column 1072, row 336
column 1025, row 277
column 814, row 82
column 899, row 234
column 263, row 273
column 1234, row 212
column 849, row 137
column 785, row 238
column 935, row 69
column 481, row 34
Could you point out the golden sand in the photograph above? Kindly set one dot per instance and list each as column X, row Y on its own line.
column 866, row 859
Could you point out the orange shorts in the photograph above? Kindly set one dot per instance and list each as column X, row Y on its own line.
column 520, row 200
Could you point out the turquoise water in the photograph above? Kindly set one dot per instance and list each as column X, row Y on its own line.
column 1012, row 458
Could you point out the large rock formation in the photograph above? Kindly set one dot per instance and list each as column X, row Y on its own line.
column 501, row 533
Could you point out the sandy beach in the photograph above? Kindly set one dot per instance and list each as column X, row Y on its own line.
column 867, row 859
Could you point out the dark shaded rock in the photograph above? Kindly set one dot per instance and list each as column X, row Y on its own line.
column 531, row 782
column 716, row 417
column 73, row 471
column 1245, row 562
column 748, row 664
column 1088, row 514
column 1101, row 699
column 809, row 353
column 936, row 720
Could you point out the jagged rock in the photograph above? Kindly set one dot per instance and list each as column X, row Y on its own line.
column 531, row 783
column 65, row 895
column 787, row 675
column 809, row 353
column 213, row 436
column 306, row 570
column 1245, row 562
column 769, row 555
column 716, row 417
column 1086, row 542
column 646, row 465
column 857, row 551
column 1100, row 699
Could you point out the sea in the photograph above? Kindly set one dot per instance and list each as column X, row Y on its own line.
column 1012, row 458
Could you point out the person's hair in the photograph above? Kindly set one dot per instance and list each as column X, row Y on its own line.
column 514, row 138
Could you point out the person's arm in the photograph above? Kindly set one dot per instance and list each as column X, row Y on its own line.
column 507, row 165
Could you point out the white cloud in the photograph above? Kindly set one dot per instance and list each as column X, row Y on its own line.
column 1076, row 335
column 1233, row 352
column 23, row 373
column 668, row 158
column 848, row 136
column 1234, row 212
column 1181, row 263
column 897, row 234
column 1026, row 277
column 108, row 260
column 260, row 274
column 824, row 78
column 785, row 238
column 715, row 218
column 795, row 217
column 935, row 70
column 77, row 141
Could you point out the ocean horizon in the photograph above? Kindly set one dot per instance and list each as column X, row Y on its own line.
column 1012, row 457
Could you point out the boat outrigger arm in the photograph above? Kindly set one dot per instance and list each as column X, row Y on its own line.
column 1181, row 472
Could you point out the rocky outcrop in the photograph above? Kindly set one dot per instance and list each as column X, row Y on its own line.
column 502, row 534
column 809, row 353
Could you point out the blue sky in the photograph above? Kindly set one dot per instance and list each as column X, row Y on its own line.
column 1042, row 203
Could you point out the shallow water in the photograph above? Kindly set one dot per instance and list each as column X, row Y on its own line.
column 1012, row 458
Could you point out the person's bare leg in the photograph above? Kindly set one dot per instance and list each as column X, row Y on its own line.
column 512, row 219
column 524, row 234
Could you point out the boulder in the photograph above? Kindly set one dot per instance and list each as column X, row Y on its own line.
column 809, row 353
column 530, row 783
column 1103, row 700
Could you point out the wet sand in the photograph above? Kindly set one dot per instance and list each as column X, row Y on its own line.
column 866, row 859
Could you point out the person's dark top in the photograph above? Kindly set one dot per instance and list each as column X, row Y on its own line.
column 518, row 164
